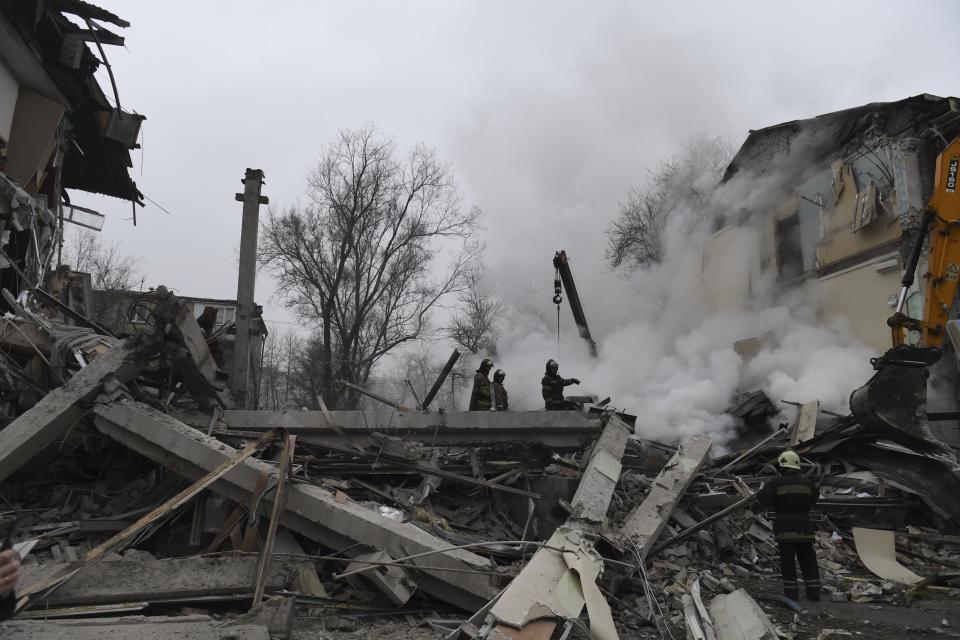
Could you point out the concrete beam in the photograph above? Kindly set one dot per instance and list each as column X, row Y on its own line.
column 136, row 628
column 158, row 580
column 310, row 510
column 558, row 430
column 52, row 417
column 592, row 499
column 646, row 521
column 534, row 599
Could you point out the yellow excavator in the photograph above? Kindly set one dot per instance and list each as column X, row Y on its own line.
column 894, row 400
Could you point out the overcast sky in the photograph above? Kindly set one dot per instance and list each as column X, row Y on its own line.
column 547, row 111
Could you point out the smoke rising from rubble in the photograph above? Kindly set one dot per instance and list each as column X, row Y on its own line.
column 666, row 333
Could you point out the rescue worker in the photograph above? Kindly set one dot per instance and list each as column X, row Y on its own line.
column 791, row 496
column 480, row 398
column 552, row 388
column 499, row 392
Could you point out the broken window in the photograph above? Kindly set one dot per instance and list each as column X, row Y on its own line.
column 789, row 251
column 866, row 211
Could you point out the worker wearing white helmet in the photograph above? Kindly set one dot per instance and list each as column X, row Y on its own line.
column 792, row 496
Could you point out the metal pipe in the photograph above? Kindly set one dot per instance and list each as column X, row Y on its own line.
column 683, row 535
column 371, row 394
column 447, row 368
column 910, row 269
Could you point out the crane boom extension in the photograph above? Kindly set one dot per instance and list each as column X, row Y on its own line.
column 894, row 400
column 579, row 317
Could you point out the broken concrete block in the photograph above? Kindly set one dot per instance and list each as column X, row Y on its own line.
column 737, row 616
column 645, row 523
column 53, row 416
column 276, row 614
column 392, row 581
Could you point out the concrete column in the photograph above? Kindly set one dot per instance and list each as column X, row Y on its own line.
column 246, row 284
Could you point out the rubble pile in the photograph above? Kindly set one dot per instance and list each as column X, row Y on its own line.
column 137, row 493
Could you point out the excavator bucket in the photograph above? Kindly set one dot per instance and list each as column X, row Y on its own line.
column 893, row 403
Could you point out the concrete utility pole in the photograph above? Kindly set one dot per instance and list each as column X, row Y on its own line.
column 246, row 284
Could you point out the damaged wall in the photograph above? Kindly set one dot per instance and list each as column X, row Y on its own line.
column 851, row 182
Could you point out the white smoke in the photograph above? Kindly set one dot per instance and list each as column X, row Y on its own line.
column 666, row 347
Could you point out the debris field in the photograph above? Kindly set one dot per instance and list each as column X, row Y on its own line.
column 138, row 495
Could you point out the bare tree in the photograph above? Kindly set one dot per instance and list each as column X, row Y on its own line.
column 110, row 271
column 277, row 377
column 475, row 325
column 359, row 258
column 635, row 237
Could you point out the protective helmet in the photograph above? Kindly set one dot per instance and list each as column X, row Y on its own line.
column 552, row 366
column 789, row 460
column 485, row 365
column 499, row 375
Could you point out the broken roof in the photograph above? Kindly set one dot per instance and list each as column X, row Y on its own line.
column 829, row 135
column 96, row 161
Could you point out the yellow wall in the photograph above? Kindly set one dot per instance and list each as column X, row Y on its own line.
column 861, row 295
column 838, row 238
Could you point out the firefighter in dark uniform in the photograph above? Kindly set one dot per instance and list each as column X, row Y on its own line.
column 552, row 388
column 499, row 392
column 791, row 496
column 480, row 398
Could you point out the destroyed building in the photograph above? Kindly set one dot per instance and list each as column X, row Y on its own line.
column 850, row 187
column 58, row 131
column 147, row 495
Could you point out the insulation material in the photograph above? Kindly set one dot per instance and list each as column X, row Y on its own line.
column 572, row 573
column 806, row 424
column 878, row 554
column 737, row 616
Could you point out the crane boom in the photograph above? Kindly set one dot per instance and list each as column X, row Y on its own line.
column 562, row 266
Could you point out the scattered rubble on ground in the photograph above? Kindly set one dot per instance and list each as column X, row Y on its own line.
column 140, row 495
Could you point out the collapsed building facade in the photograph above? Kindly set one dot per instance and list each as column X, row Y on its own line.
column 147, row 495
column 850, row 187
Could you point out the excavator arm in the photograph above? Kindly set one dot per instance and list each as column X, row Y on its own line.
column 894, row 400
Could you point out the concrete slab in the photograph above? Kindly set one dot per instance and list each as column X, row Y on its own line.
column 158, row 580
column 595, row 490
column 310, row 510
column 644, row 523
column 559, row 430
column 51, row 418
column 141, row 629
